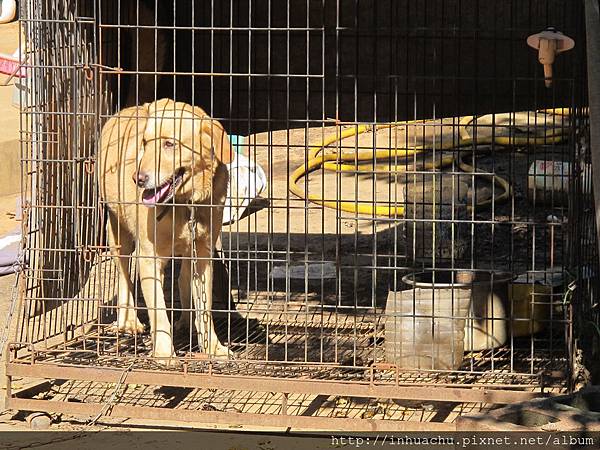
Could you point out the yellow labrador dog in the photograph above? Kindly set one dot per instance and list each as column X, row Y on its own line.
column 164, row 180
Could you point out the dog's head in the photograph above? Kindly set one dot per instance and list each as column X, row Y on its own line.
column 183, row 147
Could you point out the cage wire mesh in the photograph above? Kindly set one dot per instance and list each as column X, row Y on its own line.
column 408, row 204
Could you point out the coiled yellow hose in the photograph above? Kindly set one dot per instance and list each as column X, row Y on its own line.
column 341, row 161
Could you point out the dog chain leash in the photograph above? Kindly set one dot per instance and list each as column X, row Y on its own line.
column 197, row 285
column 114, row 397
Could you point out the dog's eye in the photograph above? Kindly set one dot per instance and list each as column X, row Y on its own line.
column 167, row 143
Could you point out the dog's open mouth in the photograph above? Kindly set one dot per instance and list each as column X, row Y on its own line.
column 164, row 192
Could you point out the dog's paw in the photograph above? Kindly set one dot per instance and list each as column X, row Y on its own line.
column 131, row 327
column 163, row 351
column 166, row 358
column 220, row 351
column 167, row 361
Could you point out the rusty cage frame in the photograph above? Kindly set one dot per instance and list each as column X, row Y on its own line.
column 290, row 77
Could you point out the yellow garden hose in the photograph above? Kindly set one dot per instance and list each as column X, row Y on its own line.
column 353, row 162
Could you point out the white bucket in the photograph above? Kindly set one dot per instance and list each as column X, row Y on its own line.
column 549, row 181
column 425, row 325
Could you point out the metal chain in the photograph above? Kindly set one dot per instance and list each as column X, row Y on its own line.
column 196, row 281
column 113, row 397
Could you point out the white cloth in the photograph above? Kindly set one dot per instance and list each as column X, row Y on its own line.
column 247, row 180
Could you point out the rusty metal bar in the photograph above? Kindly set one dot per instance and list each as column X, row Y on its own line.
column 284, row 403
column 266, row 384
column 228, row 418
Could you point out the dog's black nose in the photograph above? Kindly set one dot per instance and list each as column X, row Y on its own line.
column 140, row 178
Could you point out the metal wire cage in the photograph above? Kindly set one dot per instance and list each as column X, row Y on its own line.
column 406, row 204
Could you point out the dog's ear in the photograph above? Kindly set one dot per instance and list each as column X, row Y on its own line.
column 220, row 143
column 215, row 137
column 146, row 108
column 156, row 109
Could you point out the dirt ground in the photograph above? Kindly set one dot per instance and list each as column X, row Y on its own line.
column 294, row 231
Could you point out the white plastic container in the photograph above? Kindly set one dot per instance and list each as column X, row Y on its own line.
column 425, row 326
column 549, row 181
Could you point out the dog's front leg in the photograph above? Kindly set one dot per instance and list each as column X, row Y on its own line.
column 202, row 282
column 127, row 320
column 151, row 277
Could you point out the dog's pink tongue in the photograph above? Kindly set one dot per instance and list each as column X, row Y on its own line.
column 152, row 199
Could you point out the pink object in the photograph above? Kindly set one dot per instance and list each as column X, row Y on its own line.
column 10, row 65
